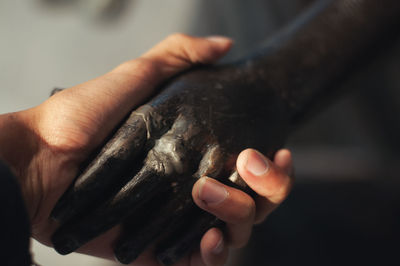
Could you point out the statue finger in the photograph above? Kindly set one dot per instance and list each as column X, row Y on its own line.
column 177, row 210
column 128, row 200
column 107, row 173
column 165, row 161
column 197, row 222
column 186, row 238
column 173, row 211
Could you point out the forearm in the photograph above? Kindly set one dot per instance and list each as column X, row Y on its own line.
column 323, row 47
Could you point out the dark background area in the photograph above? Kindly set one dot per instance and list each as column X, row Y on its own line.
column 345, row 205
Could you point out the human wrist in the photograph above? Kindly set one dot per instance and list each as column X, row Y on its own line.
column 18, row 146
column 16, row 142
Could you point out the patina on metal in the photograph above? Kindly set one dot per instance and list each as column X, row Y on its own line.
column 202, row 119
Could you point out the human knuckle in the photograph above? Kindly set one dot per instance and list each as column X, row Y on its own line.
column 283, row 191
column 146, row 66
column 178, row 36
column 125, row 66
column 246, row 214
column 141, row 67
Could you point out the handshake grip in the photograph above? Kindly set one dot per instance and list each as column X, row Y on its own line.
column 200, row 120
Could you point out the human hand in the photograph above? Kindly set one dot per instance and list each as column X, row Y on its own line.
column 196, row 126
column 46, row 145
column 271, row 181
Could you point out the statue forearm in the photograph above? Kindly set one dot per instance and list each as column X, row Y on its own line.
column 202, row 119
column 325, row 45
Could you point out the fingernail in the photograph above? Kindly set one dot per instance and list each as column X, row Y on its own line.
column 219, row 247
column 219, row 39
column 256, row 164
column 64, row 244
column 211, row 192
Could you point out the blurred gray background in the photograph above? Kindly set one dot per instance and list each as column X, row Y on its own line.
column 345, row 208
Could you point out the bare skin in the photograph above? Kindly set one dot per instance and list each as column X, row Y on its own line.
column 189, row 130
column 200, row 131
column 45, row 145
column 197, row 125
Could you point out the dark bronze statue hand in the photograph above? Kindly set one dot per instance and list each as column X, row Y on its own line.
column 202, row 119
column 188, row 131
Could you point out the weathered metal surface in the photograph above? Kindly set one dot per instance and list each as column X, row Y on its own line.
column 202, row 119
